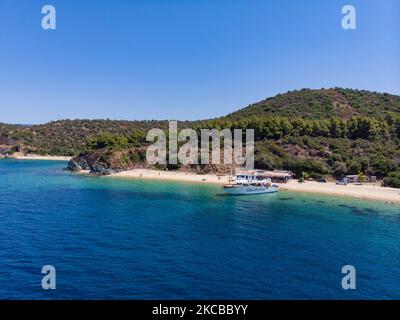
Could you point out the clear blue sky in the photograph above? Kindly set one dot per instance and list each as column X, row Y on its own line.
column 186, row 59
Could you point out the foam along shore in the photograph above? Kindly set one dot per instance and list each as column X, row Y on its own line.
column 365, row 191
column 39, row 157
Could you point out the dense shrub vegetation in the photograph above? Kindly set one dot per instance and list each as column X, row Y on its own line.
column 312, row 132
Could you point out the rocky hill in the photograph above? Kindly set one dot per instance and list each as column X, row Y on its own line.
column 324, row 103
column 327, row 132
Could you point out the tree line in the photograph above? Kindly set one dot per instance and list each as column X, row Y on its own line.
column 277, row 127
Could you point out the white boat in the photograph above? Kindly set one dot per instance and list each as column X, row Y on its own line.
column 250, row 183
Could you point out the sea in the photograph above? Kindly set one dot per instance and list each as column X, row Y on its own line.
column 113, row 238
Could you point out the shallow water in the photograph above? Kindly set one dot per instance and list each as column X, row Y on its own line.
column 113, row 238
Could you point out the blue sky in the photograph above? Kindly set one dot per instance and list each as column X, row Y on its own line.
column 186, row 59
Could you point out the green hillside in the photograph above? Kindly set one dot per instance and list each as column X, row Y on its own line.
column 68, row 137
column 315, row 133
column 324, row 103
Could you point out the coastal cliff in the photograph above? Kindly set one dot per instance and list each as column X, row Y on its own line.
column 106, row 162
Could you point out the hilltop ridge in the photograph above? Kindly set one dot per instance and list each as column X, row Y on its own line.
column 68, row 137
column 315, row 133
column 324, row 103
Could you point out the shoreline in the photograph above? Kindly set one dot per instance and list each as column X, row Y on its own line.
column 361, row 192
column 38, row 157
column 178, row 176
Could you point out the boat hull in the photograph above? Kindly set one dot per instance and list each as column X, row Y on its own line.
column 247, row 190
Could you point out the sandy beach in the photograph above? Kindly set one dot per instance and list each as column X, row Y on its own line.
column 366, row 191
column 38, row 157
column 173, row 176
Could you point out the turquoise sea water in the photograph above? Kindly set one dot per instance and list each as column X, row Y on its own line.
column 112, row 238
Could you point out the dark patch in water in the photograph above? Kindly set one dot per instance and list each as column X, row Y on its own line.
column 370, row 210
column 357, row 211
column 285, row 199
column 349, row 207
column 222, row 195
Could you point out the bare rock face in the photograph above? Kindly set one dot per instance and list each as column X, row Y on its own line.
column 216, row 169
column 106, row 162
column 78, row 163
column 73, row 166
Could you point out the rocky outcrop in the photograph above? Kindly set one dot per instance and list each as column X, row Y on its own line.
column 216, row 169
column 77, row 164
column 106, row 161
